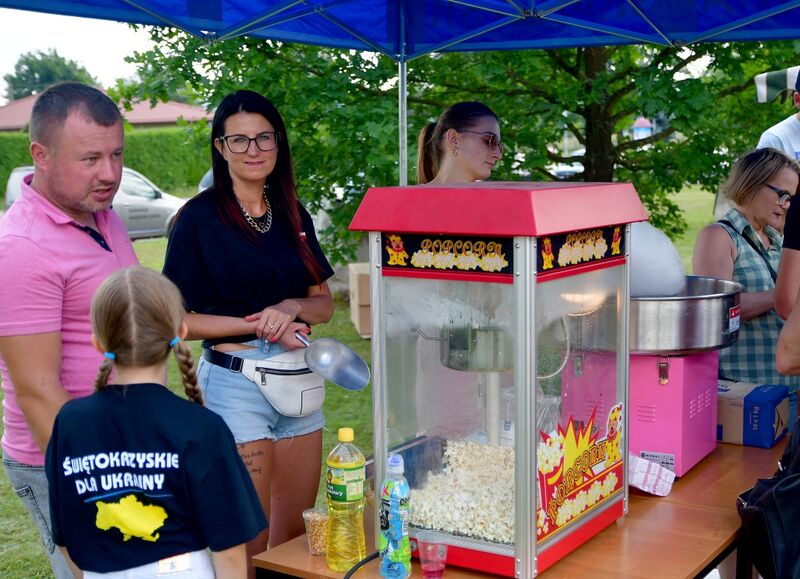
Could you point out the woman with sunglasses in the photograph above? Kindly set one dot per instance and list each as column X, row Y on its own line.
column 462, row 146
column 745, row 247
column 246, row 258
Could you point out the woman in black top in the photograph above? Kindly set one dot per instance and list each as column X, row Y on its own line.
column 246, row 259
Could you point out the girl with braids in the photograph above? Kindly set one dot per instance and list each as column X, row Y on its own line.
column 246, row 259
column 462, row 146
column 142, row 481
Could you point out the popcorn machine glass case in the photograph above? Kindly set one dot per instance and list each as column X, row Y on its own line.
column 478, row 314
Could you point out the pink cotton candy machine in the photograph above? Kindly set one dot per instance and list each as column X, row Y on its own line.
column 674, row 343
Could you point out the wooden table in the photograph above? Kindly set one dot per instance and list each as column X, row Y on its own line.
column 684, row 534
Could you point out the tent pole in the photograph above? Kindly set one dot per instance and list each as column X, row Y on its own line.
column 403, row 123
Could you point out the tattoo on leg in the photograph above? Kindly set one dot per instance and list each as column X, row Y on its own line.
column 248, row 458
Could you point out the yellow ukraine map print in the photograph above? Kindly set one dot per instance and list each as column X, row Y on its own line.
column 131, row 517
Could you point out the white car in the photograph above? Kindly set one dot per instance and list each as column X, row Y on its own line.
column 567, row 170
column 145, row 209
column 206, row 181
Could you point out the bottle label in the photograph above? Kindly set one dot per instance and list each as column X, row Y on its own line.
column 394, row 545
column 346, row 484
column 507, row 434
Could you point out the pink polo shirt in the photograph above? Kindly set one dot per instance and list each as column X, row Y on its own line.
column 50, row 271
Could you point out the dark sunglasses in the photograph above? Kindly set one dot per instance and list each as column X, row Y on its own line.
column 492, row 141
column 784, row 197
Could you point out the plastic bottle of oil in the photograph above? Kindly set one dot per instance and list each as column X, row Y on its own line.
column 345, row 476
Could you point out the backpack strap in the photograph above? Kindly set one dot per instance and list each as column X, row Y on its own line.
column 755, row 248
column 790, row 461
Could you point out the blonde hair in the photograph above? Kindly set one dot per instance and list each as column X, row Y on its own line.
column 136, row 314
column 753, row 170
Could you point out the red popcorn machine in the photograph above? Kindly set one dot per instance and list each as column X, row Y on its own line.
column 482, row 295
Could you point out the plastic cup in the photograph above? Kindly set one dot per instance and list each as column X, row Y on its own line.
column 316, row 521
column 432, row 555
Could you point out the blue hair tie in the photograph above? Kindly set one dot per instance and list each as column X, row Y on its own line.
column 174, row 341
column 110, row 355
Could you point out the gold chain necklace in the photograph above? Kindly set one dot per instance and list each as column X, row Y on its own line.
column 262, row 224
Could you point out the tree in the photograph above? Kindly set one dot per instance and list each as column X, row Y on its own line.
column 341, row 110
column 35, row 71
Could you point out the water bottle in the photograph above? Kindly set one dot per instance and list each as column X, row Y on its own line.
column 345, row 477
column 507, row 426
column 395, row 548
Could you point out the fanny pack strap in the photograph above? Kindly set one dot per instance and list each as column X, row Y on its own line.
column 231, row 363
column 248, row 368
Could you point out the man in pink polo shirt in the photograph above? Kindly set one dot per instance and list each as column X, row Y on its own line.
column 58, row 242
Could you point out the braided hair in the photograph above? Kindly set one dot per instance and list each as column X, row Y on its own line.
column 136, row 315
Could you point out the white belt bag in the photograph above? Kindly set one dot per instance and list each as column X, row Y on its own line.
column 287, row 383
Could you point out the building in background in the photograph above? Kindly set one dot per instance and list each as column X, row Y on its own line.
column 642, row 128
column 15, row 115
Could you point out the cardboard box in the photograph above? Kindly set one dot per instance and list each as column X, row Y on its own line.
column 361, row 318
column 359, row 284
column 360, row 298
column 752, row 414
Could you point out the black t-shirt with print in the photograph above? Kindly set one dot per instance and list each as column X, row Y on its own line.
column 137, row 474
column 224, row 271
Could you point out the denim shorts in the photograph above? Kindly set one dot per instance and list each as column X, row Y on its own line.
column 30, row 485
column 242, row 405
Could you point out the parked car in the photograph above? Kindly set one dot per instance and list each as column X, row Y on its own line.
column 567, row 170
column 206, row 181
column 145, row 209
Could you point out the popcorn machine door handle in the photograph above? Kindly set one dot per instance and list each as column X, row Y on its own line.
column 432, row 338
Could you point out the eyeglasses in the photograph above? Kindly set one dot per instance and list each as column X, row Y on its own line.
column 784, row 197
column 492, row 140
column 266, row 141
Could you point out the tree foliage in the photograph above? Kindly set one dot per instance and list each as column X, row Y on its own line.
column 35, row 71
column 341, row 109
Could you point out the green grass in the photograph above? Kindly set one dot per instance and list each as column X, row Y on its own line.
column 698, row 210
column 21, row 555
column 185, row 191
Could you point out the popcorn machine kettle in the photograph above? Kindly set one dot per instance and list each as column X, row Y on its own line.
column 480, row 297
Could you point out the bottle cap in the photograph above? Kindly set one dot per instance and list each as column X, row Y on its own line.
column 394, row 464
column 345, row 435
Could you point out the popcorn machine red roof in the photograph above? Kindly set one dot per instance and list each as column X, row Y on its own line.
column 482, row 298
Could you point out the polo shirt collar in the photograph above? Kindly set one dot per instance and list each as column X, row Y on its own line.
column 56, row 214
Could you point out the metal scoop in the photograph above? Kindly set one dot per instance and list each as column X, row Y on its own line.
column 335, row 362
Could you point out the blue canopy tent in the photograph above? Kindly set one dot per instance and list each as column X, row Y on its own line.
column 408, row 29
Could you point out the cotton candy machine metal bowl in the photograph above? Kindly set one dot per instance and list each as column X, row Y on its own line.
column 705, row 316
